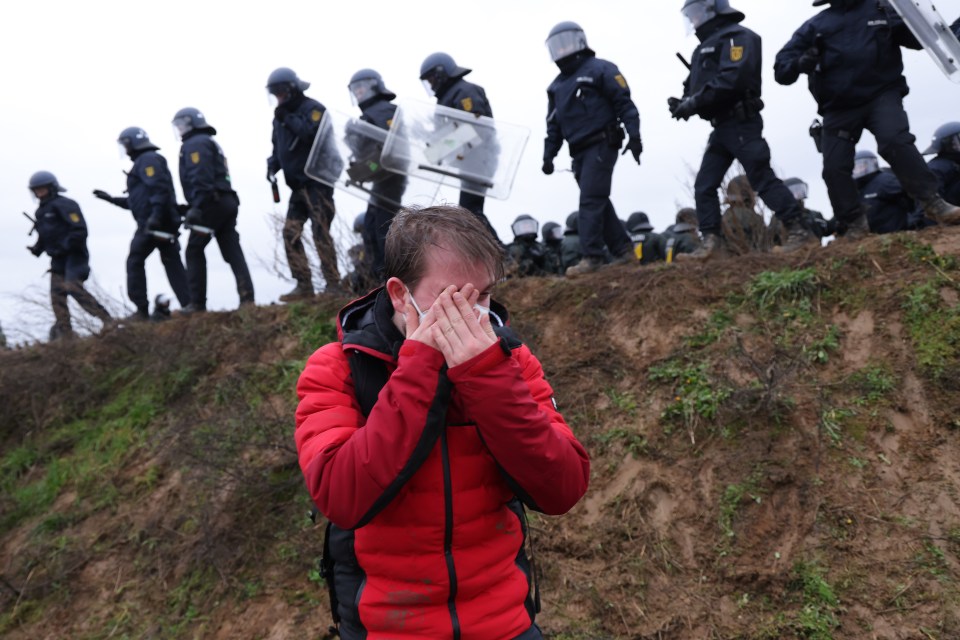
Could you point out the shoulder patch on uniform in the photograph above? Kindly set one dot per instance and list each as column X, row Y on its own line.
column 315, row 115
column 389, row 123
column 736, row 54
column 74, row 217
column 195, row 157
column 149, row 171
column 467, row 104
column 621, row 81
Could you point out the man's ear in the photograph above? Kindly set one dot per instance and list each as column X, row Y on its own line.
column 398, row 294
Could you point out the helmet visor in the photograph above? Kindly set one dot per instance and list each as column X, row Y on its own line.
column 182, row 126
column 429, row 87
column 952, row 144
column 799, row 190
column 864, row 167
column 525, row 227
column 362, row 90
column 697, row 13
column 566, row 43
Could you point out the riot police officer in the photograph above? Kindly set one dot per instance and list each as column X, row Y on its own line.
column 296, row 120
column 884, row 203
column 589, row 105
column 213, row 207
column 649, row 247
column 724, row 88
column 62, row 234
column 525, row 252
column 818, row 225
column 682, row 237
column 570, row 246
column 376, row 104
column 851, row 55
column 443, row 79
column 552, row 235
column 946, row 164
column 153, row 202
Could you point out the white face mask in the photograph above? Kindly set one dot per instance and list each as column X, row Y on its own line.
column 484, row 311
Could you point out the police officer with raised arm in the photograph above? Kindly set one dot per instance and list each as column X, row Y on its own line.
column 589, row 106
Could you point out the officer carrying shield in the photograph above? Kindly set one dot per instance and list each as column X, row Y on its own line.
column 62, row 235
column 376, row 104
column 153, row 202
column 443, row 79
column 296, row 120
column 946, row 164
column 851, row 54
column 213, row 207
column 589, row 105
column 724, row 88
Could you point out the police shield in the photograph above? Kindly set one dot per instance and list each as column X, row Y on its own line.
column 440, row 144
column 933, row 32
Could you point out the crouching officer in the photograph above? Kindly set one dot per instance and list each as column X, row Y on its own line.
column 946, row 164
column 570, row 246
column 887, row 208
column 724, row 87
column 62, row 235
column 818, row 225
column 153, row 202
column 588, row 105
column 552, row 234
column 682, row 236
column 851, row 55
column 296, row 120
column 649, row 247
column 213, row 207
column 525, row 252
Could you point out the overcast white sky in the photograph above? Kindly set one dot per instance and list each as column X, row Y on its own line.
column 75, row 74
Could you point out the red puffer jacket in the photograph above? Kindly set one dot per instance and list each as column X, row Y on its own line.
column 427, row 535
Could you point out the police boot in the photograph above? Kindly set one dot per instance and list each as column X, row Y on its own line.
column 797, row 236
column 60, row 332
column 627, row 257
column 940, row 211
column 713, row 246
column 300, row 292
column 587, row 264
column 858, row 229
column 193, row 308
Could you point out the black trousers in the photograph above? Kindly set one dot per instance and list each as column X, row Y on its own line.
column 885, row 117
column 474, row 203
column 598, row 223
column 67, row 275
column 743, row 141
column 385, row 201
column 221, row 216
column 313, row 202
column 142, row 245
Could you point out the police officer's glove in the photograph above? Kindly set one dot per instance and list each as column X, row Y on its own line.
column 103, row 195
column 271, row 176
column 682, row 109
column 547, row 166
column 36, row 249
column 634, row 146
column 809, row 60
column 194, row 217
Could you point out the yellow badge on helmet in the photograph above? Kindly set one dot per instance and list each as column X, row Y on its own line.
column 621, row 81
column 467, row 104
column 195, row 157
column 315, row 115
column 736, row 54
column 149, row 171
column 74, row 217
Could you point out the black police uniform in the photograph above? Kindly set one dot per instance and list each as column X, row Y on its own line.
column 387, row 190
column 680, row 238
column 725, row 84
column 887, row 207
column 553, row 257
column 62, row 235
column 151, row 199
column 457, row 93
column 648, row 246
column 569, row 250
column 858, row 84
column 205, row 179
column 529, row 256
column 946, row 166
column 586, row 105
column 295, row 125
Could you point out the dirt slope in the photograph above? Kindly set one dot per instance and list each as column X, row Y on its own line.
column 775, row 444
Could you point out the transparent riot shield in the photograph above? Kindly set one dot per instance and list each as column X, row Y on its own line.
column 346, row 155
column 933, row 32
column 439, row 144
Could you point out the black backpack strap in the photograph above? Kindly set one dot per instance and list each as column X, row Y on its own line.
column 326, row 572
column 534, row 567
column 369, row 377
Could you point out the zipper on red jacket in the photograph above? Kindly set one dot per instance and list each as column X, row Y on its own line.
column 448, row 535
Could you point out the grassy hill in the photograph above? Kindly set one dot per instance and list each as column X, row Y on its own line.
column 775, row 444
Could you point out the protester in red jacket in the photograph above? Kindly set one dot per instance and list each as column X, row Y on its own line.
column 421, row 436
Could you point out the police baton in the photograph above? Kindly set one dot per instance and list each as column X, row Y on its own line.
column 34, row 227
column 684, row 61
column 207, row 231
column 275, row 188
column 163, row 235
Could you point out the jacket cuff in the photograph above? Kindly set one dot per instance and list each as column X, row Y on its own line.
column 481, row 363
column 424, row 353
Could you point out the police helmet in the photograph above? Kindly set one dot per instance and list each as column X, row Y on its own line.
column 797, row 187
column 359, row 223
column 566, row 39
column 686, row 220
column 366, row 84
column 699, row 12
column 135, row 139
column 573, row 222
column 189, row 119
column 551, row 232
column 639, row 222
column 946, row 139
column 284, row 80
column 865, row 163
column 525, row 225
column 45, row 179
column 437, row 69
